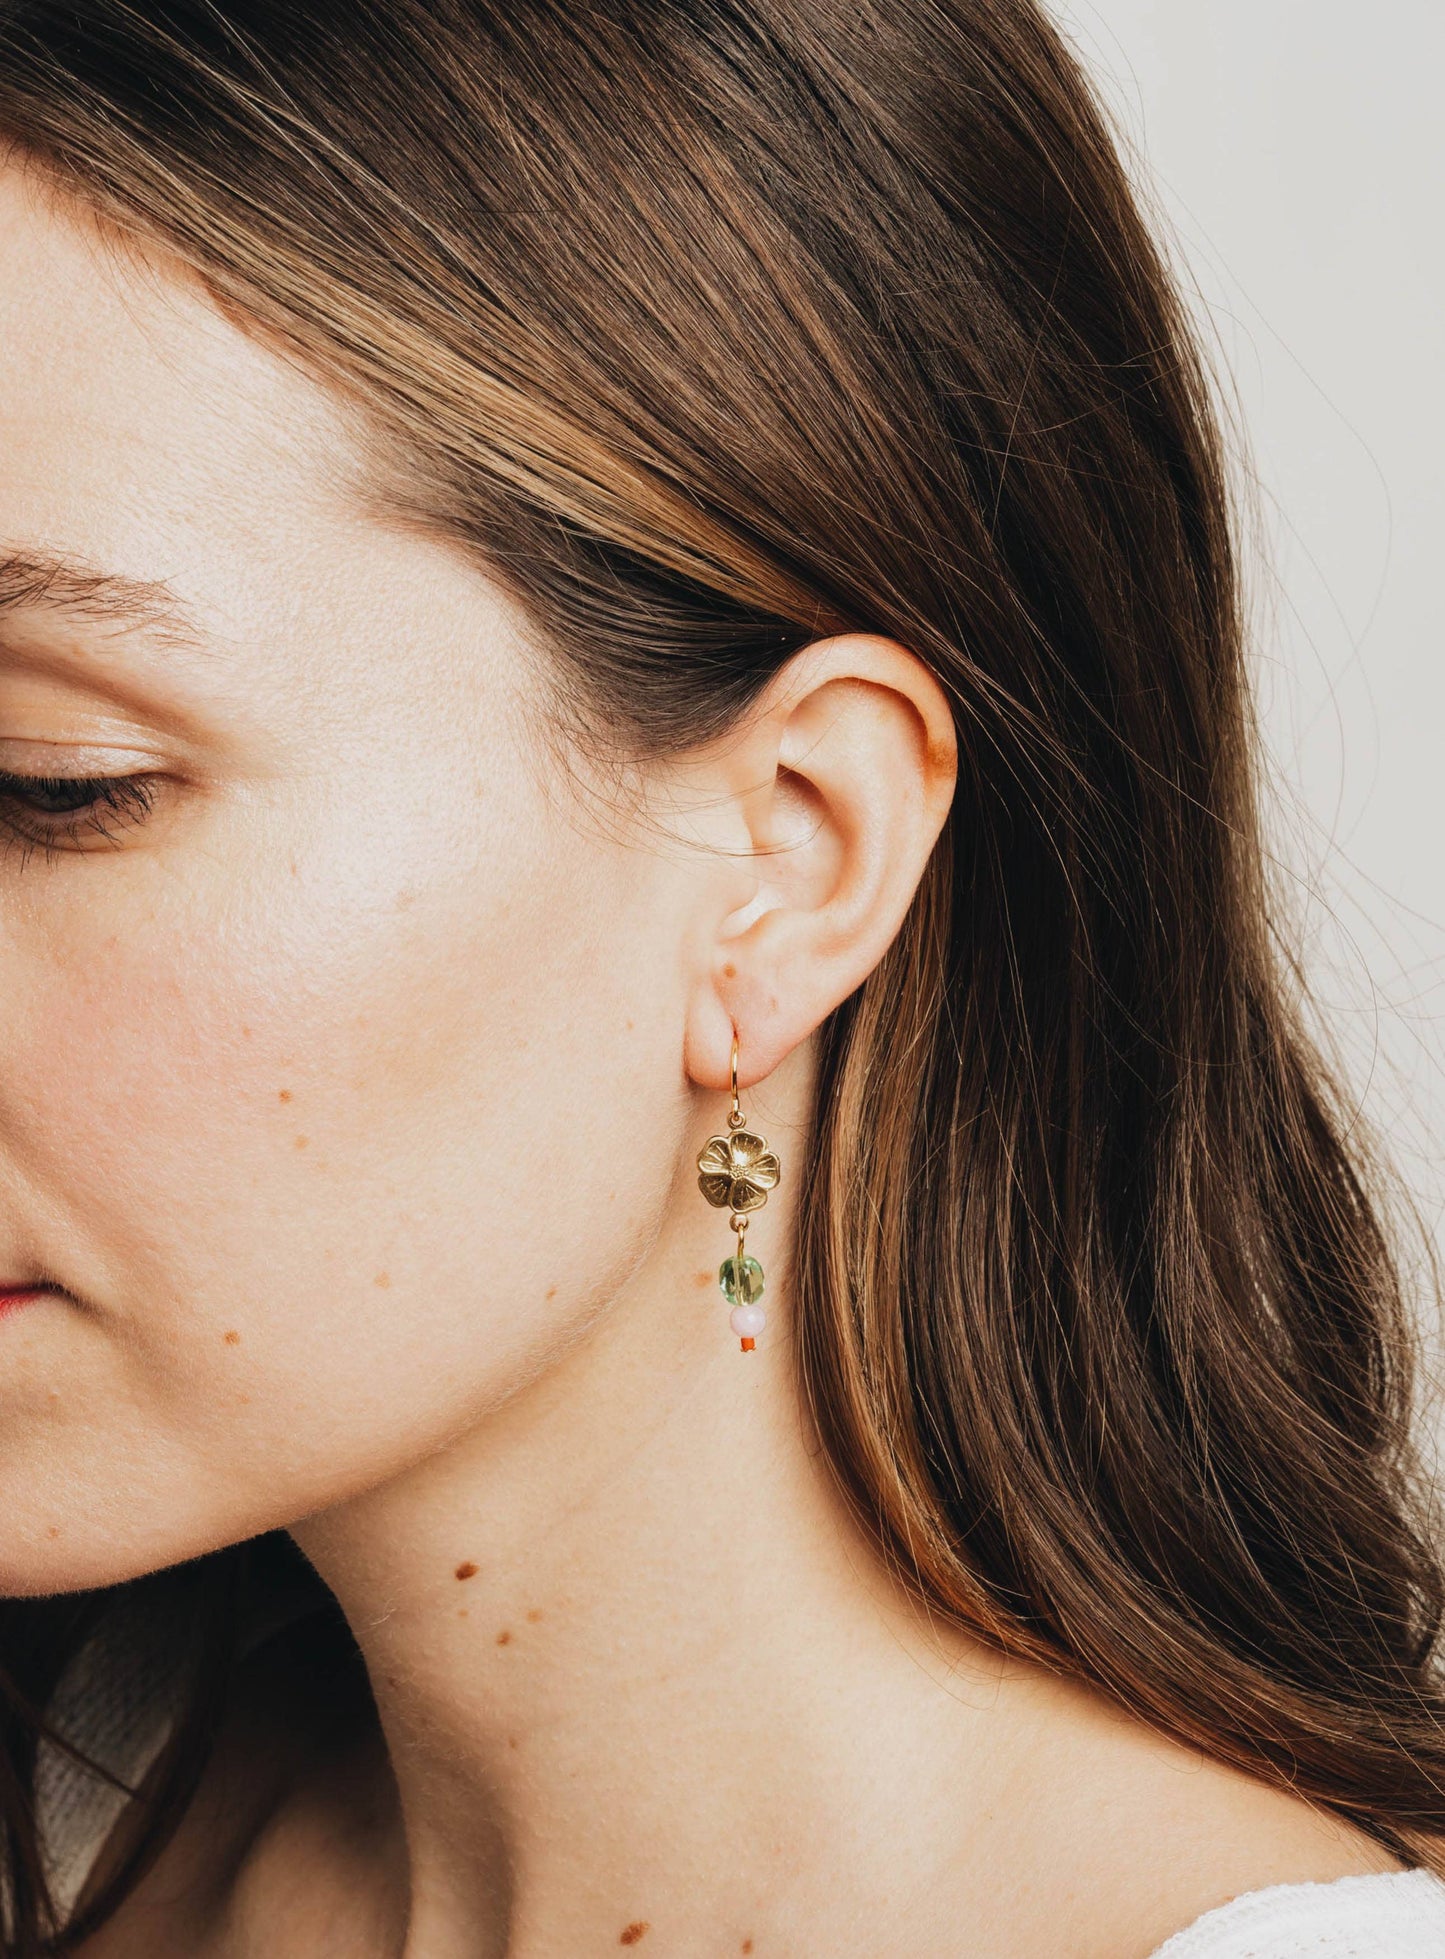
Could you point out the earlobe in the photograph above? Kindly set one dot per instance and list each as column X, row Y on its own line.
column 843, row 777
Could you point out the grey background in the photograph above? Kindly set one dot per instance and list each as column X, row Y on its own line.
column 1291, row 152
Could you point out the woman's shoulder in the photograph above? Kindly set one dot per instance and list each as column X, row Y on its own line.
column 1149, row 1847
column 1385, row 1915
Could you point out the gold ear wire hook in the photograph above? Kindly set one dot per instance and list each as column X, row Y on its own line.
column 735, row 1113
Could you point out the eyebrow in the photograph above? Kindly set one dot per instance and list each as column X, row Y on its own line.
column 47, row 582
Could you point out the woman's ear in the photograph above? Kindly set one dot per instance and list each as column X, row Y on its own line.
column 840, row 779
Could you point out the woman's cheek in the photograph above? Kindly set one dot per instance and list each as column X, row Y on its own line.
column 308, row 1160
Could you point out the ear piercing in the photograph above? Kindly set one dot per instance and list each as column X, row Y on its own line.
column 735, row 1173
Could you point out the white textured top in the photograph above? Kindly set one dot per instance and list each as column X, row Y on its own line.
column 1397, row 1915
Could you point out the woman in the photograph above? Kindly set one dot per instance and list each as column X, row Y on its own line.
column 619, row 667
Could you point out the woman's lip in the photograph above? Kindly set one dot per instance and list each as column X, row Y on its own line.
column 12, row 1296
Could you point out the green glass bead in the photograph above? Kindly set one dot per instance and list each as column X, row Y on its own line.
column 741, row 1280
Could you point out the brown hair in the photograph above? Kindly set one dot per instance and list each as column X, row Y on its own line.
column 712, row 328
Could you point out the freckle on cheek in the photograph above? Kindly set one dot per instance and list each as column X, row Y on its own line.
column 283, row 1095
column 52, row 1530
column 535, row 1615
column 634, row 1933
column 467, row 1570
column 232, row 1339
column 504, row 1638
column 301, row 1142
column 702, row 1278
column 382, row 1279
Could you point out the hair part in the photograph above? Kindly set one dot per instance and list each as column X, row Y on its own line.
column 710, row 330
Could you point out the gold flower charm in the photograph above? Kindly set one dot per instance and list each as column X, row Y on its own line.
column 736, row 1172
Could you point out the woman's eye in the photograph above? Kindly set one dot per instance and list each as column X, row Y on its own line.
column 57, row 812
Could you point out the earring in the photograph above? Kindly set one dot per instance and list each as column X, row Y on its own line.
column 735, row 1173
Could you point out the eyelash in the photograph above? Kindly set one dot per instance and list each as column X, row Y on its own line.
column 107, row 805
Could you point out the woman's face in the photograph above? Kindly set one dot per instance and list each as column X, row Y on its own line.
column 312, row 1068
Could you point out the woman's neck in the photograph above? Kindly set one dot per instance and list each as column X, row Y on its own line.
column 643, row 1680
column 635, row 1665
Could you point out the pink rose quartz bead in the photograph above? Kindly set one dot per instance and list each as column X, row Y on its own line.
column 747, row 1321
